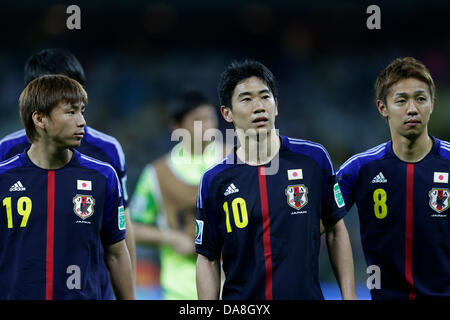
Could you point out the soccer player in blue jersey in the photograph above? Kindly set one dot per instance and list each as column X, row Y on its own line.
column 401, row 190
column 62, row 222
column 262, row 214
column 94, row 144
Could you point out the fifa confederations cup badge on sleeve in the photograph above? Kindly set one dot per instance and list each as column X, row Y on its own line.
column 198, row 231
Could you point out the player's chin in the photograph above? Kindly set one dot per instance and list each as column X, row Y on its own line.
column 73, row 143
column 413, row 134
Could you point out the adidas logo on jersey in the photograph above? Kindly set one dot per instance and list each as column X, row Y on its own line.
column 231, row 189
column 379, row 178
column 17, row 187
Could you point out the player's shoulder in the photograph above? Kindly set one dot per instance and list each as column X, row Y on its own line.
column 443, row 148
column 10, row 163
column 19, row 135
column 215, row 170
column 101, row 167
column 355, row 162
column 211, row 175
column 109, row 144
column 11, row 141
column 314, row 150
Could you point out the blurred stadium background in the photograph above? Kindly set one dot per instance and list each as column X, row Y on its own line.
column 137, row 54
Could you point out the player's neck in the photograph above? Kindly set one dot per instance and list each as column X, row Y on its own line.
column 258, row 149
column 412, row 150
column 49, row 157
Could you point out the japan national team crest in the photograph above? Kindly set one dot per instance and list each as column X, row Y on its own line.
column 297, row 196
column 83, row 206
column 439, row 199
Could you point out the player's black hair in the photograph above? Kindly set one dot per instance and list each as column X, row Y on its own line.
column 185, row 101
column 240, row 70
column 53, row 61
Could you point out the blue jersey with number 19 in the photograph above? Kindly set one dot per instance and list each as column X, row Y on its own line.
column 94, row 144
column 264, row 221
column 404, row 220
column 54, row 227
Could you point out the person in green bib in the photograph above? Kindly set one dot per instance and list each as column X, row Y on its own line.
column 163, row 203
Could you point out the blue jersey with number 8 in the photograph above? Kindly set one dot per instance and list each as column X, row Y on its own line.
column 403, row 211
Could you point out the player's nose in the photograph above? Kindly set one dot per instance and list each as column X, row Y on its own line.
column 81, row 121
column 258, row 106
column 411, row 108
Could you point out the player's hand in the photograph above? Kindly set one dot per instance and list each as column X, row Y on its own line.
column 180, row 242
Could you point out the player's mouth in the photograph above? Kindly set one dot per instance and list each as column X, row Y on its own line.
column 412, row 123
column 79, row 135
column 260, row 121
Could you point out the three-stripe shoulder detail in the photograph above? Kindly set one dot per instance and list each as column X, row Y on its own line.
column 87, row 158
column 314, row 145
column 369, row 154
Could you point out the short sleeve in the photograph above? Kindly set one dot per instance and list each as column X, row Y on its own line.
column 334, row 208
column 121, row 170
column 207, row 237
column 347, row 179
column 114, row 225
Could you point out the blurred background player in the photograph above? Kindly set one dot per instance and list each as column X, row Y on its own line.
column 163, row 204
column 95, row 144
column 401, row 190
column 63, row 232
column 266, row 227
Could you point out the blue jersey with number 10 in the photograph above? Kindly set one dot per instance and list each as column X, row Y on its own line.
column 267, row 226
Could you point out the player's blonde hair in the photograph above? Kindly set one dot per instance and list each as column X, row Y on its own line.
column 402, row 68
column 43, row 94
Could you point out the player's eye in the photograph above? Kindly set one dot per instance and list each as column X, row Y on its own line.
column 245, row 99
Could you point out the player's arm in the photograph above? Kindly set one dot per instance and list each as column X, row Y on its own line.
column 117, row 260
column 341, row 258
column 119, row 165
column 130, row 242
column 145, row 206
column 208, row 278
column 153, row 236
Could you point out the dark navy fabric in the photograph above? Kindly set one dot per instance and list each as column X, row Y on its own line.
column 94, row 144
column 379, row 171
column 78, row 240
column 294, row 232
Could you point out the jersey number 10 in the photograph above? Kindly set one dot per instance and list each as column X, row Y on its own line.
column 240, row 220
column 23, row 208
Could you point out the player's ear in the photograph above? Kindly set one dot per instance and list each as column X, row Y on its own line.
column 276, row 106
column 382, row 109
column 227, row 114
column 38, row 119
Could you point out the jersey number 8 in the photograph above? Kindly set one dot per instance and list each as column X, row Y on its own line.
column 380, row 207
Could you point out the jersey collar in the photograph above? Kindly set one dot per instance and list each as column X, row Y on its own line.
column 434, row 149
column 27, row 162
